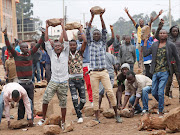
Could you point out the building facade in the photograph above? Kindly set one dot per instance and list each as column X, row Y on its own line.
column 8, row 19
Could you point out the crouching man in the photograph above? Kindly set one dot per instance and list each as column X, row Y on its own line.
column 15, row 92
column 134, row 85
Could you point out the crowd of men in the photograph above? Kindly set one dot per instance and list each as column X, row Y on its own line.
column 71, row 64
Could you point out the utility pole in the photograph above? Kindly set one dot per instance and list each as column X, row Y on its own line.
column 22, row 24
column 63, row 11
column 169, row 13
column 65, row 16
column 84, row 18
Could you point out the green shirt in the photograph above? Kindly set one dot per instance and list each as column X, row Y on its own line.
column 161, row 60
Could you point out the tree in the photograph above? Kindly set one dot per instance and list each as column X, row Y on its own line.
column 25, row 6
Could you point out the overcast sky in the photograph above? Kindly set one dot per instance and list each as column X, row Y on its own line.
column 46, row 9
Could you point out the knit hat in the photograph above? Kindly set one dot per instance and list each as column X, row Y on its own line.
column 125, row 65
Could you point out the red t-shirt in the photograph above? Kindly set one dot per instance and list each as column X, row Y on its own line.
column 6, row 54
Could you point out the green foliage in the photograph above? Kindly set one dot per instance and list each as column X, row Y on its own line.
column 24, row 6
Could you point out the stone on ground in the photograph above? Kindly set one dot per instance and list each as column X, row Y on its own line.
column 19, row 124
column 69, row 127
column 53, row 119
column 126, row 113
column 92, row 123
column 109, row 113
column 51, row 130
column 89, row 111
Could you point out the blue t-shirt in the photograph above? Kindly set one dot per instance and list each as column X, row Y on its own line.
column 149, row 43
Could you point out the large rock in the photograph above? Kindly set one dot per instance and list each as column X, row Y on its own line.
column 96, row 10
column 51, row 130
column 69, row 127
column 172, row 119
column 126, row 113
column 89, row 111
column 54, row 22
column 73, row 25
column 108, row 113
column 19, row 124
column 148, row 122
column 53, row 119
column 92, row 123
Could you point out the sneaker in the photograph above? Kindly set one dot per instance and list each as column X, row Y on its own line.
column 97, row 120
column 91, row 104
column 137, row 112
column 41, row 122
column 80, row 120
column 11, row 117
column 118, row 119
column 144, row 112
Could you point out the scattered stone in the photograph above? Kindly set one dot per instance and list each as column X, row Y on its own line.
column 51, row 130
column 89, row 111
column 109, row 113
column 69, row 127
column 172, row 119
column 92, row 123
column 53, row 119
column 126, row 113
column 148, row 122
column 162, row 132
column 19, row 124
column 101, row 110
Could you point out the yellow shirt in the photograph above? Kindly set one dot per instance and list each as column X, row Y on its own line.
column 138, row 29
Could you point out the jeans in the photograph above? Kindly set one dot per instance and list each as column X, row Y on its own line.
column 147, row 68
column 34, row 68
column 75, row 85
column 159, row 81
column 131, row 67
column 2, row 106
column 29, row 87
column 42, row 67
column 145, row 91
column 169, row 82
column 132, row 100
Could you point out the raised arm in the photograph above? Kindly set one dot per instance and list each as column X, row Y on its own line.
column 102, row 20
column 92, row 17
column 112, row 37
column 127, row 12
column 61, row 38
column 46, row 32
column 161, row 23
column 83, row 47
column 160, row 12
column 64, row 31
column 40, row 42
column 9, row 47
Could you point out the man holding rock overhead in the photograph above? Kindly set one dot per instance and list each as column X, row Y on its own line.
column 98, row 66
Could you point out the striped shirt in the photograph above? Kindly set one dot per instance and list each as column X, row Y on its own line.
column 97, row 50
column 24, row 61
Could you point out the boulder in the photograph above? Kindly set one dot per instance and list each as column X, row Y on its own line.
column 108, row 113
column 54, row 22
column 145, row 32
column 92, row 123
column 53, row 119
column 73, row 25
column 96, row 10
column 51, row 130
column 172, row 119
column 89, row 111
column 126, row 113
column 19, row 124
column 69, row 127
column 149, row 122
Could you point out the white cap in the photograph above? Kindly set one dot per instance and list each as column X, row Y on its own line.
column 125, row 65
